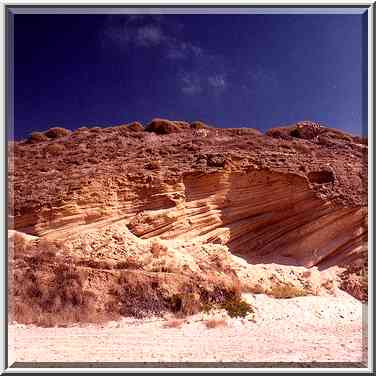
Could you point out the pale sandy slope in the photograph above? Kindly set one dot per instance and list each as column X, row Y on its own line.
column 302, row 329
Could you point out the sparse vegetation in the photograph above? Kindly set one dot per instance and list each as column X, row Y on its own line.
column 199, row 125
column 284, row 291
column 243, row 132
column 57, row 132
column 236, row 307
column 163, row 126
column 174, row 323
column 38, row 137
column 102, row 171
column 215, row 323
column 281, row 133
column 185, row 303
column 135, row 127
column 207, row 307
column 60, row 300
column 136, row 294
column 229, row 300
column 55, row 288
column 295, row 133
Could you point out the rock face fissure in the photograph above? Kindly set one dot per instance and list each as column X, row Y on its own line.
column 261, row 215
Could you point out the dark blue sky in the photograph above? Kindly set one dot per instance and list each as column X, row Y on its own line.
column 228, row 70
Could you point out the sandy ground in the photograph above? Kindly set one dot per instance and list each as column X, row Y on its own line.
column 304, row 329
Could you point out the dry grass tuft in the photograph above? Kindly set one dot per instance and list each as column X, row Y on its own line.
column 59, row 300
column 49, row 287
column 286, row 291
column 185, row 303
column 136, row 294
column 175, row 323
column 213, row 323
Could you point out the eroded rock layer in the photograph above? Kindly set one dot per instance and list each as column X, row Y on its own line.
column 291, row 197
column 263, row 197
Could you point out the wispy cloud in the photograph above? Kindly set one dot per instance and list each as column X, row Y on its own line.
column 178, row 50
column 193, row 83
column 261, row 78
column 148, row 31
column 199, row 71
column 217, row 81
column 150, row 35
column 135, row 29
column 190, row 83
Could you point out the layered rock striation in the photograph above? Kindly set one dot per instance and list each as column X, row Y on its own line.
column 292, row 197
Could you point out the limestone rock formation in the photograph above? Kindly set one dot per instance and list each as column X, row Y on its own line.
column 224, row 204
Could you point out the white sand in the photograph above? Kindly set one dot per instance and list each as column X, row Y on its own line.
column 302, row 329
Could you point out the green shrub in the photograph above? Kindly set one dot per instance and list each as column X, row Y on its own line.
column 236, row 307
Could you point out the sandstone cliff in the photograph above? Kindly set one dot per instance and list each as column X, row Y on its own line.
column 185, row 204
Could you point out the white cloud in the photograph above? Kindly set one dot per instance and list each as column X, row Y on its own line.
column 217, row 81
column 200, row 71
column 182, row 50
column 150, row 31
column 149, row 35
column 190, row 83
